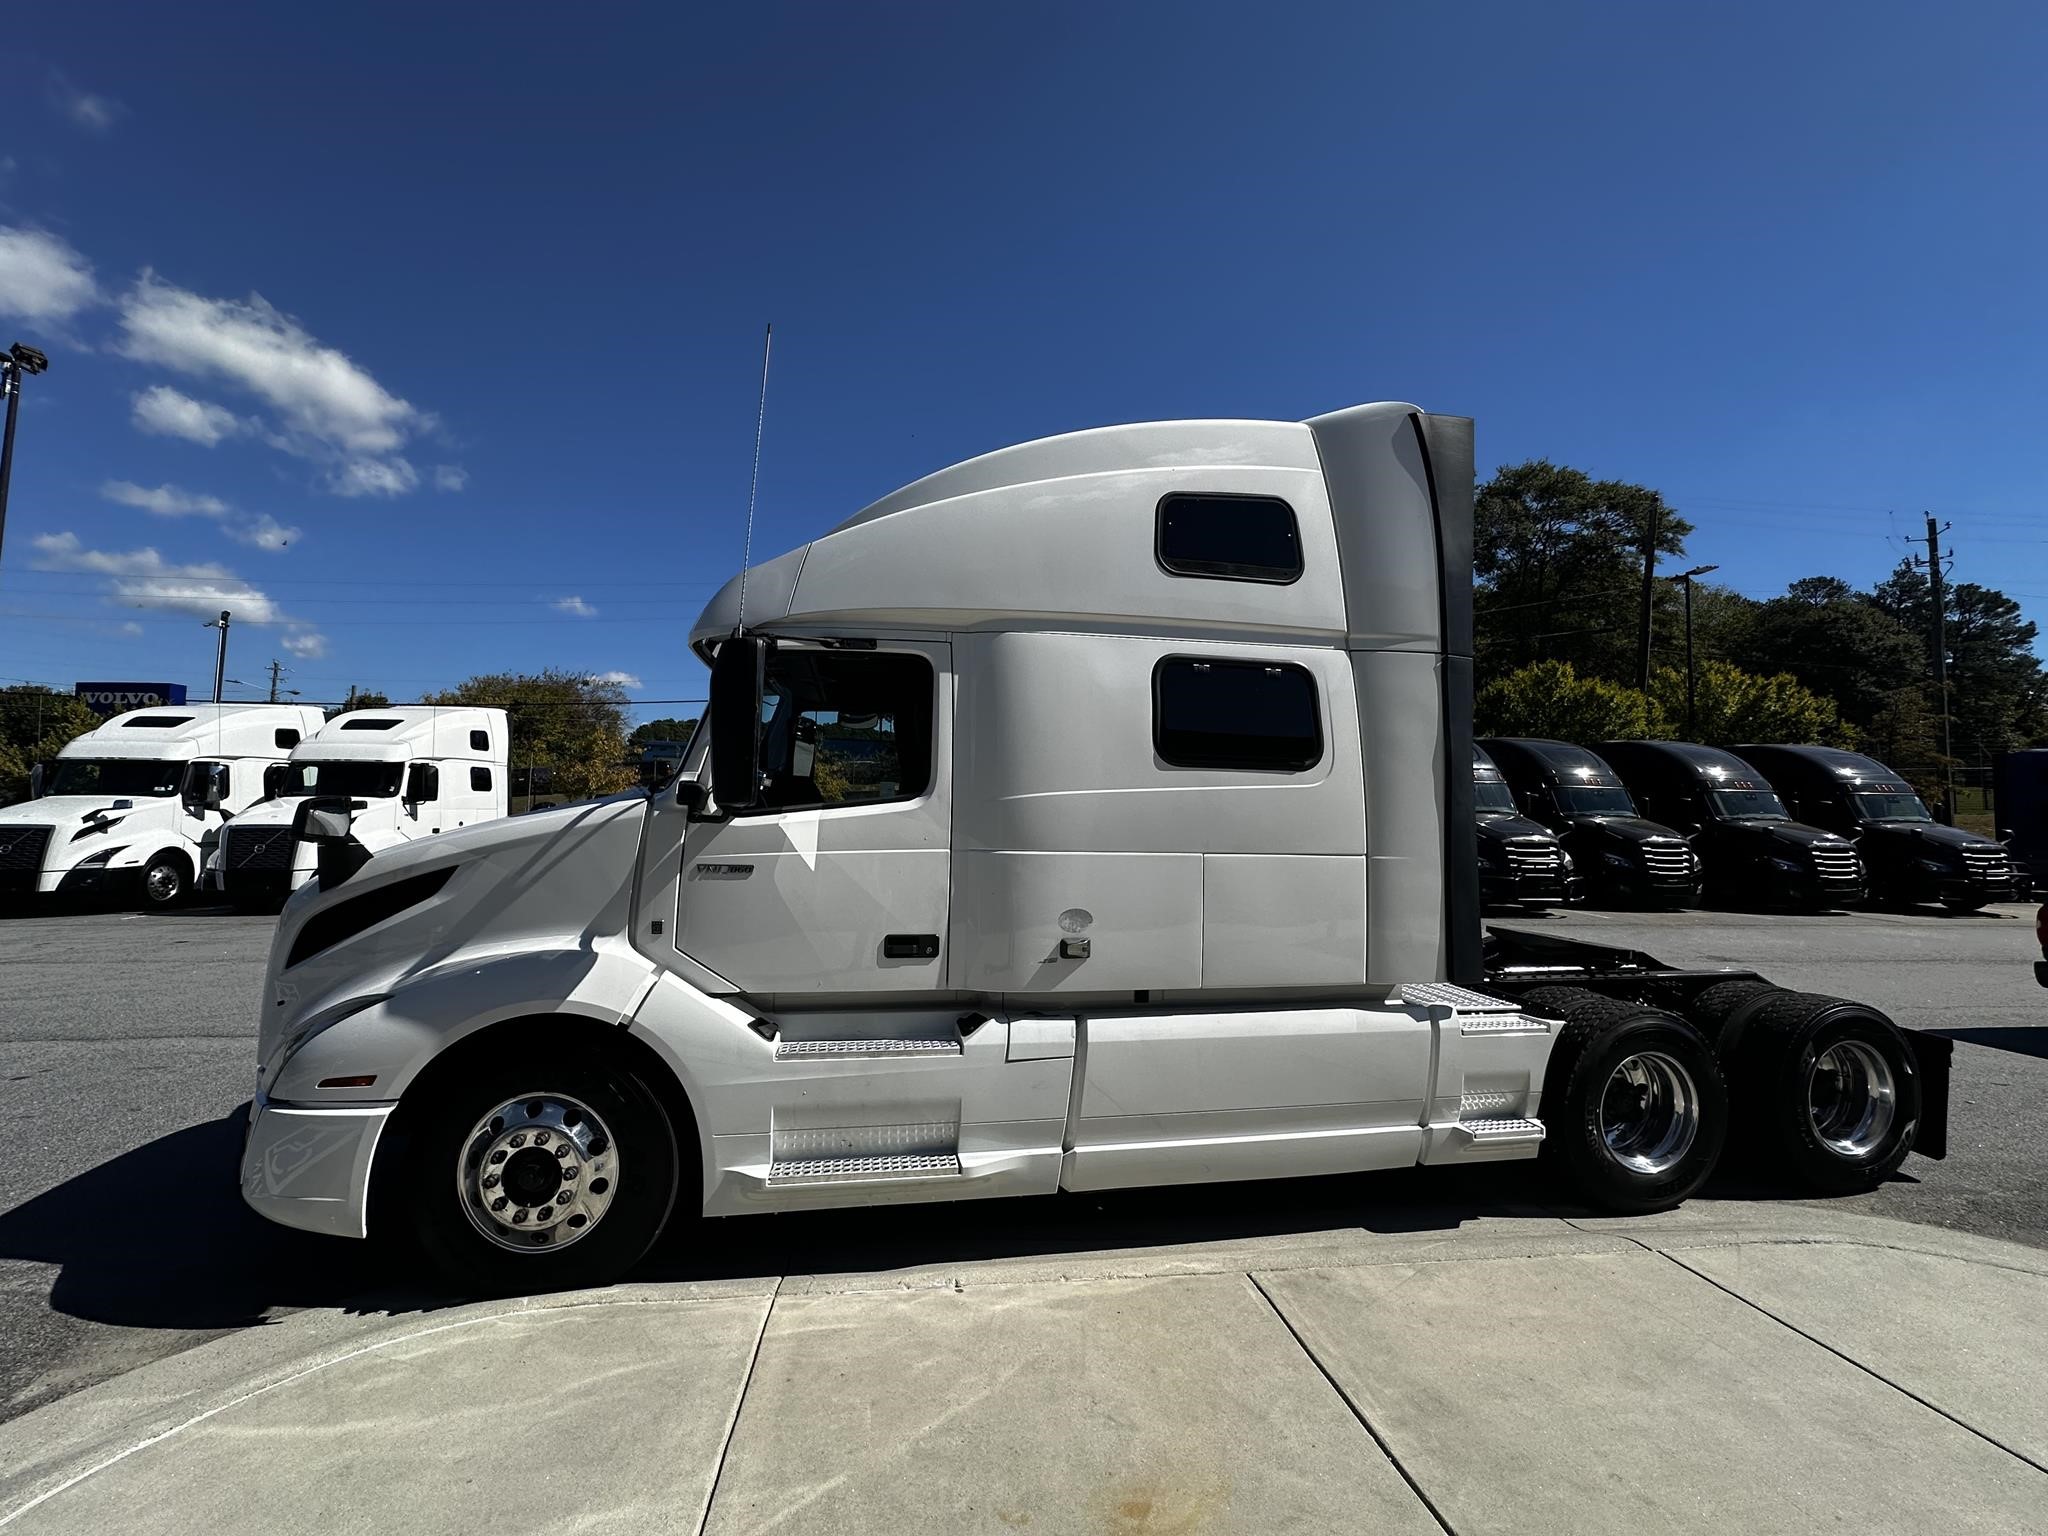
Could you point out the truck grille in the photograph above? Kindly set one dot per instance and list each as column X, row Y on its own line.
column 1534, row 858
column 1838, row 866
column 1668, row 863
column 21, row 849
column 1987, row 866
column 257, row 848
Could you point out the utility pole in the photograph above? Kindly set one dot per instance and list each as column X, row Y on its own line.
column 1686, row 577
column 1940, row 605
column 17, row 361
column 276, row 669
column 220, row 656
column 1649, row 591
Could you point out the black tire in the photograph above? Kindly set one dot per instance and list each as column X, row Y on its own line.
column 1966, row 903
column 1712, row 1011
column 1581, row 1089
column 641, row 1155
column 166, row 882
column 1787, row 1113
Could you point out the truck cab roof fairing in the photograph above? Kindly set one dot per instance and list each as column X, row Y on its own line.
column 1063, row 531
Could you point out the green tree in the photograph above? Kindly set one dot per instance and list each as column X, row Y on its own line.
column 1550, row 698
column 1998, row 695
column 570, row 727
column 1835, row 641
column 1557, row 563
column 34, row 723
column 363, row 698
column 1731, row 706
column 668, row 728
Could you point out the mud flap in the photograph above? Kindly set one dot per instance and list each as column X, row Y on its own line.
column 1931, row 1053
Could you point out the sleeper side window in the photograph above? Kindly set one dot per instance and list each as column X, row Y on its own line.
column 1212, row 713
column 1232, row 538
column 480, row 779
column 842, row 728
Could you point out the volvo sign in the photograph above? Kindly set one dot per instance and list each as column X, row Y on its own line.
column 113, row 698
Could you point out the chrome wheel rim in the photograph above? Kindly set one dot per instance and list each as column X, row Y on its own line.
column 1649, row 1113
column 1852, row 1098
column 537, row 1173
column 161, row 882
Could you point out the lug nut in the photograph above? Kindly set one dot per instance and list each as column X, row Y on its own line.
column 498, row 1156
column 570, row 1170
column 540, row 1138
column 562, row 1198
column 518, row 1138
column 562, row 1149
column 518, row 1217
column 490, row 1181
column 500, row 1203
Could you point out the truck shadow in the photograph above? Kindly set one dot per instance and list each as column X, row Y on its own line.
column 159, row 1237
column 2021, row 1039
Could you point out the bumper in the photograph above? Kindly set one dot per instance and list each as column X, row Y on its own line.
column 310, row 1168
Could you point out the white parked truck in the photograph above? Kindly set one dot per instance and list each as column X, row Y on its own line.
column 1094, row 813
column 414, row 769
column 129, row 807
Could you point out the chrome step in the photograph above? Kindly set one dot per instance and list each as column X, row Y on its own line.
column 1504, row 1130
column 786, row 1050
column 1443, row 994
column 846, row 1170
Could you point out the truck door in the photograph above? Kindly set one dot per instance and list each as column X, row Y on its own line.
column 839, row 880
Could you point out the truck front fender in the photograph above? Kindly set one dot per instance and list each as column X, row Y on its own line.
column 390, row 1038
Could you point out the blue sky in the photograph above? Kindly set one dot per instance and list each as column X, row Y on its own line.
column 404, row 325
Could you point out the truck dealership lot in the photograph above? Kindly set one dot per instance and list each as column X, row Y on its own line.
column 126, row 1047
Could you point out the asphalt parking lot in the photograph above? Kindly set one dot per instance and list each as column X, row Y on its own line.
column 126, row 1048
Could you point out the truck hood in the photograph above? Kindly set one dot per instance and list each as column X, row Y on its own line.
column 1633, row 831
column 1779, row 836
column 1513, row 829
column 1929, row 837
column 69, row 812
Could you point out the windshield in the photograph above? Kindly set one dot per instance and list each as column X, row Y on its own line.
column 1492, row 799
column 1594, row 800
column 130, row 776
column 1902, row 805
column 1752, row 804
column 372, row 781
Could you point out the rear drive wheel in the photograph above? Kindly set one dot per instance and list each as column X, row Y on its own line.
column 1831, row 1090
column 165, row 881
column 528, row 1177
column 1633, row 1102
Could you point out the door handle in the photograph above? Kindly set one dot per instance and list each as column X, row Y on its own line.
column 910, row 946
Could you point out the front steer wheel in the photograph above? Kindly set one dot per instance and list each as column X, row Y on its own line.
column 519, row 1178
column 1633, row 1102
column 166, row 881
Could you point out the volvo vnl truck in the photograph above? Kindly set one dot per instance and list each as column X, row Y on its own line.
column 1094, row 813
column 1751, row 850
column 414, row 769
column 129, row 808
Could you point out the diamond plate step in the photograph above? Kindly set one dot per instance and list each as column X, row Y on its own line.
column 840, row 1170
column 1443, row 994
column 787, row 1049
column 1502, row 1130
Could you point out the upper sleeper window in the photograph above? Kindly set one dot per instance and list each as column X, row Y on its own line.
column 1236, row 538
column 155, row 722
column 287, row 739
column 479, row 741
column 1235, row 714
column 369, row 725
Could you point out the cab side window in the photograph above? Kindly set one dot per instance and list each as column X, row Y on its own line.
column 842, row 728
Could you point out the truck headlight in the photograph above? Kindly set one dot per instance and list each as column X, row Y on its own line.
column 1617, row 861
column 97, row 860
column 1789, row 866
column 1933, row 866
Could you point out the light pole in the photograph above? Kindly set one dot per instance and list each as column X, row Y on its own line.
column 17, row 361
column 1686, row 578
column 220, row 655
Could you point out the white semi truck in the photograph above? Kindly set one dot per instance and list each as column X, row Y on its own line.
column 1093, row 813
column 130, row 807
column 413, row 770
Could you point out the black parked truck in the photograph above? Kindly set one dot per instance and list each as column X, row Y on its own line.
column 1907, row 855
column 1522, row 863
column 1750, row 848
column 1624, row 858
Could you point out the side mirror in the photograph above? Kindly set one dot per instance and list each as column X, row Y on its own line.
column 737, row 680
column 691, row 797
column 422, row 783
column 36, row 776
column 324, row 821
column 206, row 786
column 273, row 780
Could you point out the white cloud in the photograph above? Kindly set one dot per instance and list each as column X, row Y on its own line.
column 327, row 405
column 42, row 277
column 373, row 477
column 95, row 113
column 131, row 629
column 164, row 500
column 264, row 532
column 308, row 644
column 142, row 578
column 163, row 411
column 450, row 477
column 619, row 679
column 575, row 606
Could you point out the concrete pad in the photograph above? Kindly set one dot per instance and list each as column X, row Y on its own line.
column 1970, row 1338
column 1618, row 1393
column 571, row 1418
column 1120, row 1406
